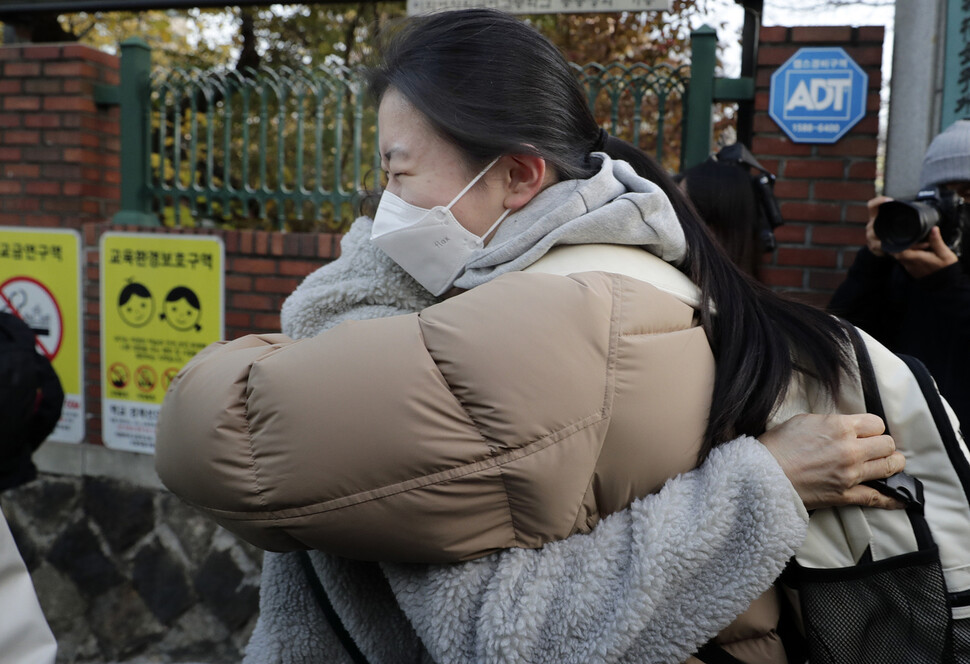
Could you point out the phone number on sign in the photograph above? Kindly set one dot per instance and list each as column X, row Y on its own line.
column 820, row 128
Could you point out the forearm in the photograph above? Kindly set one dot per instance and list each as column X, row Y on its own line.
column 650, row 583
column 293, row 627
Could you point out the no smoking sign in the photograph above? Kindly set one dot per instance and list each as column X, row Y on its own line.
column 33, row 302
column 40, row 282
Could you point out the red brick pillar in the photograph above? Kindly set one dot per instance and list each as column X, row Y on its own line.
column 59, row 150
column 822, row 189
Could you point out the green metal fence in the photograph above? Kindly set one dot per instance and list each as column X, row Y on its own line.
column 297, row 149
column 639, row 103
column 291, row 149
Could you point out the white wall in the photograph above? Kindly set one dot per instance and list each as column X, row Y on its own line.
column 916, row 91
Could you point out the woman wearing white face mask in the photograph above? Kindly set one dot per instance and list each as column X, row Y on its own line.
column 520, row 413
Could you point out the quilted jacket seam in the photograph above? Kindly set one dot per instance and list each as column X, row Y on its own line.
column 410, row 484
column 252, row 454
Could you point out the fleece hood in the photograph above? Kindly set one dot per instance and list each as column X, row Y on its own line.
column 614, row 206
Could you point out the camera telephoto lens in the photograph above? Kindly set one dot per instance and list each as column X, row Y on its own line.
column 901, row 224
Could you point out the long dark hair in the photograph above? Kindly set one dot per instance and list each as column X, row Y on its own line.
column 493, row 85
column 724, row 198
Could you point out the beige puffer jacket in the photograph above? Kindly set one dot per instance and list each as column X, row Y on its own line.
column 510, row 416
column 516, row 414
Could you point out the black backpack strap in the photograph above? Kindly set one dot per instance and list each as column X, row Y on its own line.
column 323, row 600
column 711, row 653
column 942, row 421
column 901, row 486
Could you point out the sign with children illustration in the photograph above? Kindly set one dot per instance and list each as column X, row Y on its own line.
column 40, row 282
column 162, row 301
column 818, row 95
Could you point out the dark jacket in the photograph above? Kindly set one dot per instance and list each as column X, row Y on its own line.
column 928, row 318
column 31, row 399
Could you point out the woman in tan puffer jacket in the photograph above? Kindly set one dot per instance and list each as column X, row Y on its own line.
column 522, row 413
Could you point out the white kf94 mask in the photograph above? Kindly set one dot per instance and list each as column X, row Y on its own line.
column 430, row 245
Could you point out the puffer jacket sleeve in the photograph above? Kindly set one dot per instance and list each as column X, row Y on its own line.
column 431, row 437
column 649, row 584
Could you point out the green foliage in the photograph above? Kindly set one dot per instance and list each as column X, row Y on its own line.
column 317, row 34
column 175, row 37
column 652, row 38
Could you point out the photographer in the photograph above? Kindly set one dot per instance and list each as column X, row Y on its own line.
column 917, row 301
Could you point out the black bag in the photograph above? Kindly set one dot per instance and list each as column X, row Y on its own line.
column 897, row 609
column 31, row 399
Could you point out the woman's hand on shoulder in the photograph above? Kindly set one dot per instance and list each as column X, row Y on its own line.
column 827, row 457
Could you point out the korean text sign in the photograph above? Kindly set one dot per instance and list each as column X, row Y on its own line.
column 162, row 301
column 40, row 281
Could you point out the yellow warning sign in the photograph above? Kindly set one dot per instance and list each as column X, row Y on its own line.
column 161, row 303
column 40, row 281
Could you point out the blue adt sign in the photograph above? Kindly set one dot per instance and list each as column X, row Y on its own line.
column 818, row 95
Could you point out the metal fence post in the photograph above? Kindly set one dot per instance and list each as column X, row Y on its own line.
column 700, row 96
column 135, row 102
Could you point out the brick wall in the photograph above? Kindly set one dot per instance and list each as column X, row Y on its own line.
column 59, row 151
column 822, row 189
column 262, row 268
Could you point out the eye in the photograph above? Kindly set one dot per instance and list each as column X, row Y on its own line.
column 389, row 177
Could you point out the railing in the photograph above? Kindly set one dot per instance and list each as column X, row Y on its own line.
column 294, row 149
column 297, row 149
column 639, row 103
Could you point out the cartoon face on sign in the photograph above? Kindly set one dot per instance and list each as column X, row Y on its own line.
column 181, row 309
column 135, row 304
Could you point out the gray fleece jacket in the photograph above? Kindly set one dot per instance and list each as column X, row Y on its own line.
column 649, row 584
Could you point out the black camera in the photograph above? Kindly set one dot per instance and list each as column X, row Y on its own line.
column 901, row 224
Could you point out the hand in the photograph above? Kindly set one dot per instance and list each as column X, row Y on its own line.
column 925, row 258
column 872, row 241
column 827, row 457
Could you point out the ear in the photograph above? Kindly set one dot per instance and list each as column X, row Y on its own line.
column 526, row 178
